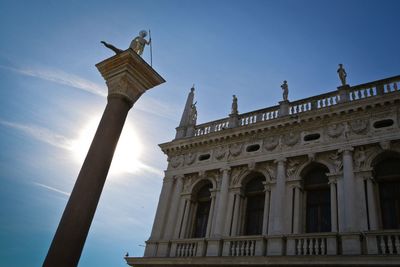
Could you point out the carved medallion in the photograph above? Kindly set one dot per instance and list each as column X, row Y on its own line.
column 335, row 130
column 235, row 149
column 270, row 143
column 220, row 152
column 291, row 138
column 359, row 126
column 190, row 158
column 176, row 161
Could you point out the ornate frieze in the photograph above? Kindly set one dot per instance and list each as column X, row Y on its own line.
column 270, row 143
column 291, row 138
column 335, row 130
column 220, row 152
column 235, row 149
column 359, row 126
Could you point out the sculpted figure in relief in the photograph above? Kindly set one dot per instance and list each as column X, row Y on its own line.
column 360, row 158
column 291, row 168
column 337, row 161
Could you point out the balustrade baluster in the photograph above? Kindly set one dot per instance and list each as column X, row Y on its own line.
column 298, row 247
column 305, row 246
column 390, row 244
column 323, row 252
column 358, row 94
column 395, row 86
column 397, row 243
column 382, row 244
column 237, row 248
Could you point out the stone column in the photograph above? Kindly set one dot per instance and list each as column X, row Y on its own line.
column 297, row 209
column 229, row 214
column 267, row 190
column 221, row 211
column 211, row 214
column 236, row 211
column 334, row 212
column 186, row 217
column 279, row 198
column 127, row 76
column 372, row 204
column 351, row 239
column 349, row 191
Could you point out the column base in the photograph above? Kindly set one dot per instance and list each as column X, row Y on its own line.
column 275, row 245
column 351, row 243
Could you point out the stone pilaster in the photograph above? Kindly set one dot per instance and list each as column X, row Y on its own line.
column 278, row 198
column 221, row 211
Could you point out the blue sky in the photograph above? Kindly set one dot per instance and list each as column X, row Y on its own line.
column 51, row 92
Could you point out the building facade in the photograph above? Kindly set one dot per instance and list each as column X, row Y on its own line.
column 314, row 181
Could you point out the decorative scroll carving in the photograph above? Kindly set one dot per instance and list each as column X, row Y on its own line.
column 337, row 161
column 236, row 174
column 291, row 168
column 335, row 130
column 291, row 138
column 235, row 149
column 270, row 143
column 190, row 158
column 220, row 152
column 359, row 126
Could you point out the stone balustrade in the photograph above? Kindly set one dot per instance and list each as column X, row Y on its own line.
column 382, row 243
column 320, row 244
column 354, row 93
column 312, row 244
column 188, row 248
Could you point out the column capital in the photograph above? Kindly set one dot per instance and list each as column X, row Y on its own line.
column 128, row 76
column 225, row 169
column 348, row 150
column 179, row 177
column 280, row 160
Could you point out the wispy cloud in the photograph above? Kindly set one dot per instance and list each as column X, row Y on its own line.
column 148, row 104
column 41, row 134
column 57, row 140
column 61, row 77
column 53, row 189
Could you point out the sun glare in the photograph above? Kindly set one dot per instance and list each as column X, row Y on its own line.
column 126, row 156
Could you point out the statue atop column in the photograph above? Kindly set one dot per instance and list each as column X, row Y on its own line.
column 285, row 89
column 234, row 105
column 136, row 45
column 342, row 74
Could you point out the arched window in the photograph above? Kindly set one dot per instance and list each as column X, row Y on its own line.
column 255, row 199
column 318, row 202
column 202, row 204
column 387, row 174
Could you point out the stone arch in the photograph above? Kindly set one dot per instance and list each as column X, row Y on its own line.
column 303, row 169
column 197, row 185
column 378, row 156
column 248, row 175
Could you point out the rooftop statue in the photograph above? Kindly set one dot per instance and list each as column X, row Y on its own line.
column 342, row 74
column 137, row 44
column 234, row 105
column 193, row 114
column 285, row 89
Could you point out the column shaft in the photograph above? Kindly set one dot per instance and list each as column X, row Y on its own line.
column 68, row 242
column 296, row 211
column 221, row 211
column 372, row 207
column 349, row 191
column 175, row 207
column 278, row 199
column 266, row 212
column 236, row 210
column 334, row 219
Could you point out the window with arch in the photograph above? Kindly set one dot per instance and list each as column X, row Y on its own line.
column 387, row 174
column 255, row 199
column 318, row 200
column 202, row 207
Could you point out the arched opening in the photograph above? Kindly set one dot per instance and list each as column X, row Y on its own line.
column 202, row 206
column 255, row 199
column 318, row 201
column 387, row 174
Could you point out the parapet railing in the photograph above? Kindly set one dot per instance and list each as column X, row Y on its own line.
column 322, row 101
